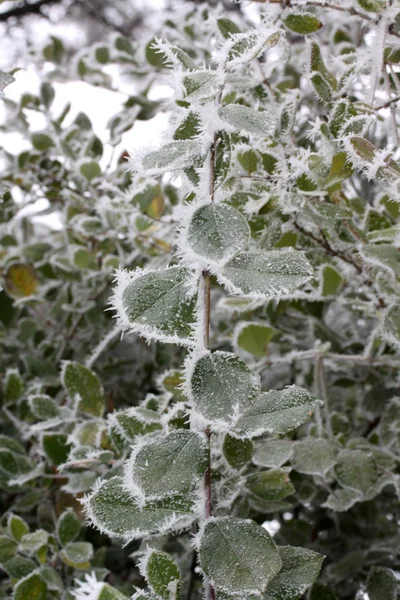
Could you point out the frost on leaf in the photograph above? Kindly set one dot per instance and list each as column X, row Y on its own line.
column 391, row 325
column 314, row 456
column 156, row 304
column 237, row 555
column 222, row 386
column 273, row 453
column 356, row 470
column 277, row 412
column 174, row 156
column 5, row 79
column 115, row 512
column 244, row 47
column 249, row 120
column 83, row 387
column 217, row 232
column 163, row 575
column 265, row 274
column 167, row 465
column 382, row 584
column 267, row 488
column 300, row 568
column 200, row 85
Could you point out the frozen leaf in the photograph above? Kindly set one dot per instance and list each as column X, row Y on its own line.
column 382, row 584
column 222, row 386
column 269, row 486
column 237, row 555
column 172, row 157
column 300, row 568
column 83, row 388
column 342, row 499
column 253, row 337
column 340, row 170
column 303, row 23
column 277, row 412
column 356, row 470
column 42, row 141
column 115, row 512
column 43, row 407
column 68, row 527
column 19, row 567
column 17, row 527
column 391, row 325
column 14, row 464
column 90, row 169
column 273, row 453
column 200, row 85
column 217, row 232
column 237, row 452
column 32, row 587
column 5, row 79
column 77, row 555
column 242, row 118
column 190, row 127
column 21, row 280
column 8, row 548
column 33, row 542
column 227, row 27
column 163, row 575
column 265, row 274
column 314, row 456
column 244, row 47
column 331, row 281
column 157, row 304
column 52, row 578
column 167, row 465
column 126, row 425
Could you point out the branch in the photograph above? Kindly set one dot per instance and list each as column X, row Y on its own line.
column 26, row 9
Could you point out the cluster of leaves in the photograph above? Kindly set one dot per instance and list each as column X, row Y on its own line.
column 255, row 440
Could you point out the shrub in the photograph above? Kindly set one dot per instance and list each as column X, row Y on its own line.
column 243, row 433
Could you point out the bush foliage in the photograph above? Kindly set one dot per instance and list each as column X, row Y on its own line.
column 199, row 347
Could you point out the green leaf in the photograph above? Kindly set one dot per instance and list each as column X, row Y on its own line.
column 68, row 527
column 340, row 170
column 277, row 412
column 254, row 337
column 222, row 386
column 17, row 527
column 200, row 85
column 167, row 465
column 52, row 578
column 189, row 128
column 341, row 500
column 109, row 593
column 154, row 57
column 265, row 274
column 273, row 453
column 157, row 304
column 245, row 47
column 237, row 452
column 372, row 5
column 115, row 512
column 249, row 160
column 18, row 567
column 90, row 169
column 56, row 447
column 381, row 584
column 356, row 470
column 217, row 232
column 314, row 456
column 43, row 407
column 32, row 587
column 249, row 120
column 321, row 591
column 237, row 555
column 300, row 568
column 83, row 388
column 41, row 141
column 331, row 281
column 8, row 548
column 163, row 575
column 13, row 386
column 77, row 555
column 303, row 23
column 269, row 486
column 171, row 157
column 227, row 27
